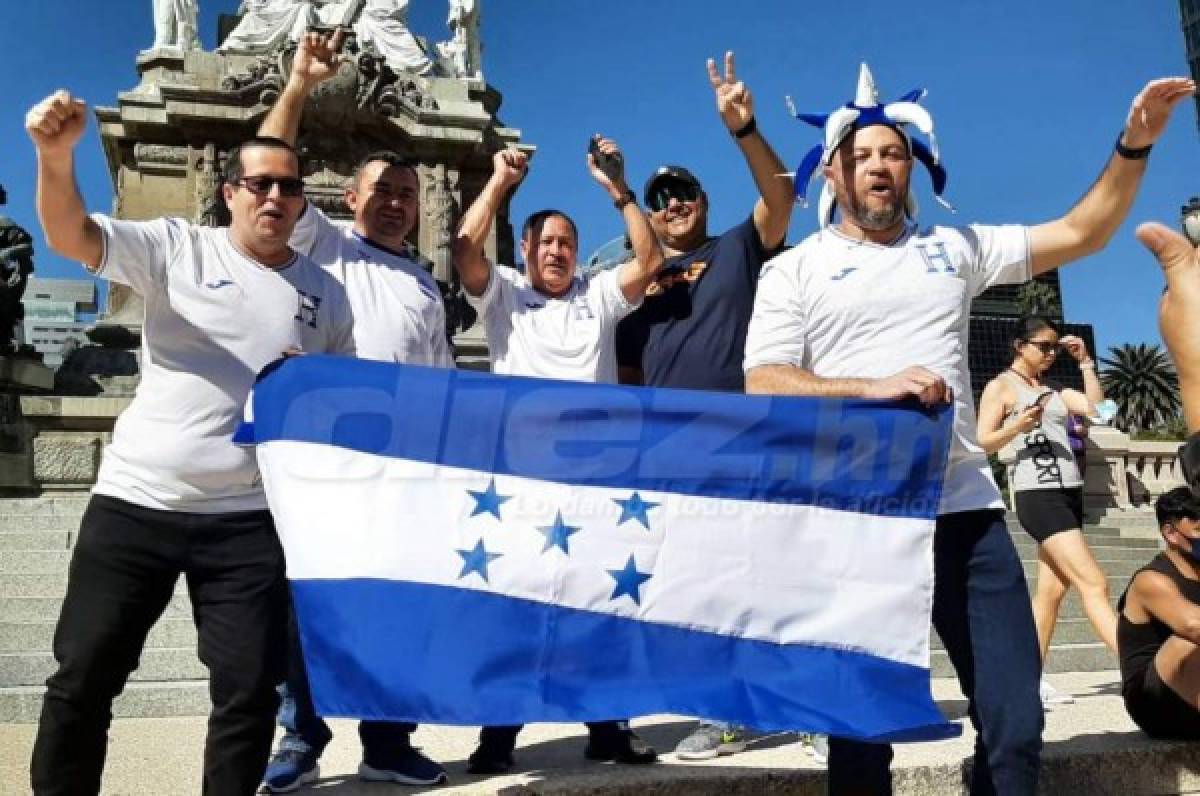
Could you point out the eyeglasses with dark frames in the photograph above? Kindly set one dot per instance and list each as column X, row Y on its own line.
column 261, row 185
column 1045, row 346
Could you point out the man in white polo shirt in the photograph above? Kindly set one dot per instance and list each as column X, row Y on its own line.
column 552, row 323
column 876, row 308
column 174, row 494
column 398, row 317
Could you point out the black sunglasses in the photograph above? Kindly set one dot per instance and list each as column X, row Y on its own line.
column 261, row 185
column 1044, row 346
column 666, row 190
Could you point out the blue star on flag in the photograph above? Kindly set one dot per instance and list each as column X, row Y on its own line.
column 634, row 508
column 477, row 561
column 559, row 534
column 488, row 501
column 629, row 581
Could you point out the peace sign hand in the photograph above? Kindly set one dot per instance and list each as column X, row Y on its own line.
column 734, row 102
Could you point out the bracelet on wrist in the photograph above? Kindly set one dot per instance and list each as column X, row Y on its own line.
column 747, row 129
column 1087, row 364
column 1129, row 153
column 624, row 199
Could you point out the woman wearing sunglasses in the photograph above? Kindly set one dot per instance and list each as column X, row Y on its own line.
column 1021, row 408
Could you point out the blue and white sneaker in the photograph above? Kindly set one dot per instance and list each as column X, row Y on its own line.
column 406, row 766
column 289, row 770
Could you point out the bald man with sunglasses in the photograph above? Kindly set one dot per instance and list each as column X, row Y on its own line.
column 174, row 495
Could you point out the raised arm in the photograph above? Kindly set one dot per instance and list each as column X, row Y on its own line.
column 318, row 58
column 1082, row 403
column 1087, row 227
column 56, row 124
column 637, row 274
column 735, row 104
column 508, row 168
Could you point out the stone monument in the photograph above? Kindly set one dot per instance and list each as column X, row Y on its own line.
column 166, row 139
column 165, row 142
column 21, row 368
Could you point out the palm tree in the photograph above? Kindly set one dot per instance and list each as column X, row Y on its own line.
column 1142, row 381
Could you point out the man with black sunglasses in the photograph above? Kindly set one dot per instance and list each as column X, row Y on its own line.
column 174, row 494
column 398, row 317
column 690, row 331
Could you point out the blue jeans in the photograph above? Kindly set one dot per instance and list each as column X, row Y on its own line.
column 306, row 731
column 982, row 612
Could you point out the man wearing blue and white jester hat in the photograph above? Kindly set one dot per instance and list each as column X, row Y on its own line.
column 839, row 313
column 866, row 111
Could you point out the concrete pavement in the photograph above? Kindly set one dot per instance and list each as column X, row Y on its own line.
column 1091, row 748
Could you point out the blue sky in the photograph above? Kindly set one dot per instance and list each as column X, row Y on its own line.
column 1027, row 98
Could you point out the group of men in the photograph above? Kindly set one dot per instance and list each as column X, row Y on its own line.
column 834, row 316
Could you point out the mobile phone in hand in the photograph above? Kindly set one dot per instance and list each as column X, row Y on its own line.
column 610, row 165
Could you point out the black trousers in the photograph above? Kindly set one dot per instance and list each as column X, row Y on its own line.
column 981, row 611
column 123, row 571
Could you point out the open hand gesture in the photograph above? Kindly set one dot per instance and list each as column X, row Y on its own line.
column 1152, row 108
column 734, row 102
column 319, row 56
column 56, row 123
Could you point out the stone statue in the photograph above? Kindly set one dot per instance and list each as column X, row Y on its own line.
column 383, row 26
column 270, row 24
column 462, row 54
column 16, row 264
column 175, row 25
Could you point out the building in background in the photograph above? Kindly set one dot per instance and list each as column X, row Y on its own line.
column 1189, row 15
column 57, row 310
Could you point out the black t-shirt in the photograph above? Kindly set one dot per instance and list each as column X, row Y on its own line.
column 690, row 331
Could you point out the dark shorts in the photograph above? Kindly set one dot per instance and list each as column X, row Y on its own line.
column 1045, row 512
column 1159, row 711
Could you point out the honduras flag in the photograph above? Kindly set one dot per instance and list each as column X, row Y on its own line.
column 465, row 548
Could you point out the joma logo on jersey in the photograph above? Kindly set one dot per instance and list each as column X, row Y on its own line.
column 936, row 258
column 307, row 307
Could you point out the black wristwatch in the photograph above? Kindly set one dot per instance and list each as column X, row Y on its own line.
column 624, row 199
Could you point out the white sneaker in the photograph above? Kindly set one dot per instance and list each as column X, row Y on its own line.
column 1052, row 696
column 817, row 746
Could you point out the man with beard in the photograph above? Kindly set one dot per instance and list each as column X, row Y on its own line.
column 398, row 317
column 834, row 316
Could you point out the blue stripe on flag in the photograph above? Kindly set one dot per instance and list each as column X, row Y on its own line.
column 394, row 650
column 870, row 457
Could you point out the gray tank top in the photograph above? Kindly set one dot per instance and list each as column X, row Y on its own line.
column 1044, row 456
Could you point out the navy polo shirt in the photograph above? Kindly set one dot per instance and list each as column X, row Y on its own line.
column 690, row 332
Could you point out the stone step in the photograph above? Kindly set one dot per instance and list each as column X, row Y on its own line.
column 47, row 608
column 34, row 562
column 1066, row 631
column 55, row 505
column 39, row 522
column 1079, row 657
column 140, row 700
column 1113, row 569
column 36, row 540
column 1101, row 552
column 172, row 630
column 165, row 664
column 15, row 584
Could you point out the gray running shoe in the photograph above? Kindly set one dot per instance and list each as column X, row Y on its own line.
column 709, row 740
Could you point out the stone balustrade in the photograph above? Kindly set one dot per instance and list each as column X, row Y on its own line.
column 1122, row 474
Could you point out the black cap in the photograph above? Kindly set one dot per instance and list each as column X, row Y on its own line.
column 669, row 173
